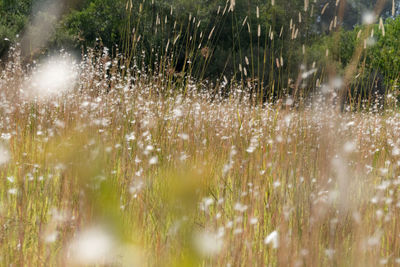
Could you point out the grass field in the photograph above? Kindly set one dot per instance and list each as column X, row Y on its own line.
column 111, row 172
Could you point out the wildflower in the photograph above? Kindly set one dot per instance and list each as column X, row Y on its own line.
column 368, row 17
column 12, row 191
column 51, row 237
column 91, row 246
column 153, row 160
column 273, row 239
column 177, row 112
column 207, row 244
column 4, row 155
column 55, row 76
column 240, row 207
column 253, row 220
column 349, row 147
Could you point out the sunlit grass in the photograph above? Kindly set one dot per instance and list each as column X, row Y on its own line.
column 128, row 176
column 114, row 162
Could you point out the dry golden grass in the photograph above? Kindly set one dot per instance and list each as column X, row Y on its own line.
column 122, row 175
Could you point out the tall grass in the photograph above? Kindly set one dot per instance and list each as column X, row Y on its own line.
column 136, row 165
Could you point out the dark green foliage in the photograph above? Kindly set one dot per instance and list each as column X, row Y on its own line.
column 13, row 17
column 382, row 51
column 103, row 19
column 385, row 55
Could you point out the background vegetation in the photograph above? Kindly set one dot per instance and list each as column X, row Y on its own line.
column 83, row 23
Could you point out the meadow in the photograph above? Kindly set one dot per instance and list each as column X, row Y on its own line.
column 111, row 160
column 127, row 176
